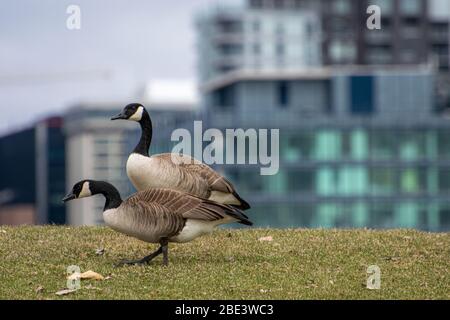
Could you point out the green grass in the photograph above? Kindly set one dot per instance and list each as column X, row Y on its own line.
column 228, row 264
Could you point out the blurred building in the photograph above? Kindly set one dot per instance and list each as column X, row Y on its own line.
column 234, row 38
column 32, row 175
column 98, row 148
column 412, row 32
column 358, row 147
column 361, row 142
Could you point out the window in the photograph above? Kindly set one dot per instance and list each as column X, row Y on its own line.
column 353, row 180
column 301, row 181
column 297, row 146
column 387, row 6
column 256, row 25
column 382, row 181
column 383, row 145
column 280, row 49
column 225, row 97
column 230, row 49
column 444, row 180
column 361, row 95
column 342, row 7
column 342, row 51
column 256, row 48
column 412, row 145
column 410, row 7
column 444, row 144
column 413, row 180
column 279, row 29
column 355, row 145
column 283, row 94
column 328, row 145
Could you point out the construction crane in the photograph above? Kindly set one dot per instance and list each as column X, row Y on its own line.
column 53, row 77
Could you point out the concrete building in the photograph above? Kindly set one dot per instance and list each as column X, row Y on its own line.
column 412, row 32
column 32, row 175
column 235, row 38
column 98, row 148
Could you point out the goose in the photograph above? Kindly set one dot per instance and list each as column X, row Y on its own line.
column 173, row 171
column 158, row 215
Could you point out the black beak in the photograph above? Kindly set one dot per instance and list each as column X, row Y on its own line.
column 120, row 116
column 70, row 196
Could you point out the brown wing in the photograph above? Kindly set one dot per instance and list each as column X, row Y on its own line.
column 188, row 206
column 215, row 181
column 152, row 217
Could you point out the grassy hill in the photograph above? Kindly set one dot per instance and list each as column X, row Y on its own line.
column 229, row 264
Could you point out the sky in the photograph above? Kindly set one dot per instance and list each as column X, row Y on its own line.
column 46, row 68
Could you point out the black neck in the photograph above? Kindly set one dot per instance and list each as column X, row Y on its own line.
column 146, row 135
column 112, row 196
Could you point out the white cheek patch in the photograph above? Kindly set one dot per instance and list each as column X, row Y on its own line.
column 137, row 116
column 85, row 191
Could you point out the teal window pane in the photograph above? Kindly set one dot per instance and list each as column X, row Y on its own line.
column 412, row 7
column 353, row 180
column 325, row 215
column 387, row 6
column 406, row 215
column 360, row 215
column 328, row 146
column 276, row 184
column 359, row 145
column 325, row 181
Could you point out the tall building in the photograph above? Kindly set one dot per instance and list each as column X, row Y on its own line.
column 361, row 144
column 32, row 175
column 234, row 38
column 358, row 147
column 412, row 31
column 98, row 148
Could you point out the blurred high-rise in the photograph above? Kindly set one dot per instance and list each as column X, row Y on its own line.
column 361, row 143
column 234, row 38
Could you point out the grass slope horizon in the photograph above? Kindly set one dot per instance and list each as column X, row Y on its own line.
column 228, row 264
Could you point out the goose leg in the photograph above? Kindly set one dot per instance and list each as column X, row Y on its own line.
column 145, row 259
column 165, row 251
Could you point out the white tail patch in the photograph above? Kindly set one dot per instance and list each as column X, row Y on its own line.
column 197, row 228
column 224, row 198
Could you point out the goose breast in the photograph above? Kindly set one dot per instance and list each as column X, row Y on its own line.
column 160, row 171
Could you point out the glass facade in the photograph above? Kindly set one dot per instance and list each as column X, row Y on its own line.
column 354, row 178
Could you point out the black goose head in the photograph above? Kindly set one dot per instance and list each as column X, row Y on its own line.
column 80, row 190
column 132, row 112
column 88, row 188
